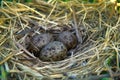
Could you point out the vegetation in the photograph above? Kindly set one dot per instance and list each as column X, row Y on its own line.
column 97, row 58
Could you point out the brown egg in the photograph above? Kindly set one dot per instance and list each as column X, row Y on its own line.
column 40, row 40
column 68, row 38
column 54, row 51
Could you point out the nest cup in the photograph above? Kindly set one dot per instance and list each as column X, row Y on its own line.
column 89, row 24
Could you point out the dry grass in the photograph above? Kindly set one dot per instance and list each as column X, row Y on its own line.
column 98, row 24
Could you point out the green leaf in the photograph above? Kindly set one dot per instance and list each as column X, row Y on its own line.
column 109, row 62
column 91, row 1
column 3, row 73
column 28, row 0
column 118, row 1
column 106, row 79
column 65, row 0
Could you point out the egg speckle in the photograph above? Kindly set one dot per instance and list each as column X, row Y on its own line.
column 40, row 40
column 54, row 51
column 68, row 38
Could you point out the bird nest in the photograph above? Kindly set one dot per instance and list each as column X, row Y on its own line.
column 95, row 25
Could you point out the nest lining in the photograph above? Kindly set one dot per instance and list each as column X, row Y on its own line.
column 88, row 57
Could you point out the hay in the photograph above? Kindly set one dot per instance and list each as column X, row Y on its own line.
column 98, row 26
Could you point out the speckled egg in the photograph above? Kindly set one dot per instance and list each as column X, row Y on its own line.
column 54, row 51
column 40, row 40
column 68, row 38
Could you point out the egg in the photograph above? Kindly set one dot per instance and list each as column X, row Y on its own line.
column 40, row 40
column 54, row 51
column 68, row 38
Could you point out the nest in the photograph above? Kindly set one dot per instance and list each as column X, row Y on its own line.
column 97, row 24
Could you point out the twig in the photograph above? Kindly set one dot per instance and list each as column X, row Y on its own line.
column 98, row 77
column 78, row 34
column 22, row 48
column 10, row 55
